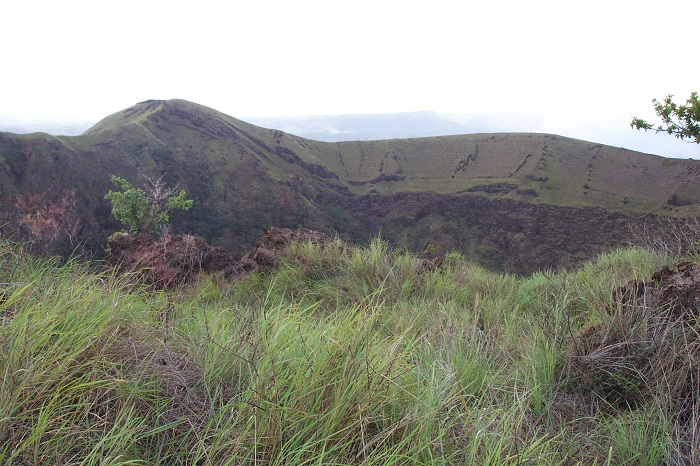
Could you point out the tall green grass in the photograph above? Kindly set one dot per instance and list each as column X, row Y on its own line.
column 341, row 356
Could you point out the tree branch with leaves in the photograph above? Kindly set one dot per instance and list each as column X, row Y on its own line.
column 145, row 211
column 682, row 121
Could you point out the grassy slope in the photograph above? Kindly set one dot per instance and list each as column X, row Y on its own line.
column 577, row 173
column 341, row 356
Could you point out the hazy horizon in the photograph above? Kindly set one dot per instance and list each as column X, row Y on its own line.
column 339, row 127
column 583, row 69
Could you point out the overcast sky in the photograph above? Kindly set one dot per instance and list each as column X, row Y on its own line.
column 577, row 64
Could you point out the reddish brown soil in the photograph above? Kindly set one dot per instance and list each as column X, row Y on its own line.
column 176, row 260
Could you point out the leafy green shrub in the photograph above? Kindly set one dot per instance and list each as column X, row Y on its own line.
column 145, row 210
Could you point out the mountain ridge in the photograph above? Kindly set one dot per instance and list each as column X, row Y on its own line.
column 445, row 191
column 365, row 127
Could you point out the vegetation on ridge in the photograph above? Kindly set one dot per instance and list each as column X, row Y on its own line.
column 341, row 355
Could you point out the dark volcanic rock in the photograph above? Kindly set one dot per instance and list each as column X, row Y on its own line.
column 496, row 188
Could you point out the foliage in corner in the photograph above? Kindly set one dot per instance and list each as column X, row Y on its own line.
column 144, row 211
column 683, row 121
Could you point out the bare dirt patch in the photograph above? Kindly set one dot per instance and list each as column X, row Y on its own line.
column 175, row 260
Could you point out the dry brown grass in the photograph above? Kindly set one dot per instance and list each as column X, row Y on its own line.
column 648, row 350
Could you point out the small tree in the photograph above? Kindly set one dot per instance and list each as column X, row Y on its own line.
column 683, row 121
column 144, row 211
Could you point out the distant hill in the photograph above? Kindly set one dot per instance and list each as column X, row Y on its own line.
column 51, row 127
column 367, row 127
column 335, row 128
column 512, row 201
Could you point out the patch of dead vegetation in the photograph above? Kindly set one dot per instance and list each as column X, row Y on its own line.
column 174, row 261
column 431, row 262
column 647, row 351
column 171, row 376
